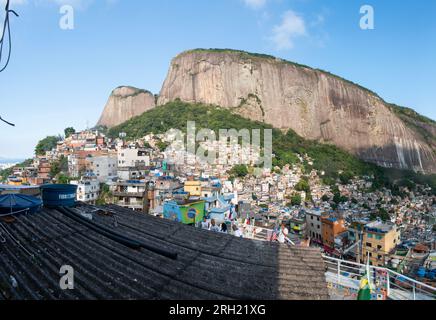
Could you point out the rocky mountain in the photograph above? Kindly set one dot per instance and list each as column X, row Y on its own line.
column 315, row 104
column 125, row 103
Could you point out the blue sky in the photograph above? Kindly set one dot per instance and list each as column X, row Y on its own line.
column 59, row 78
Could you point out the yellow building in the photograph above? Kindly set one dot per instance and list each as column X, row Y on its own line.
column 193, row 188
column 379, row 239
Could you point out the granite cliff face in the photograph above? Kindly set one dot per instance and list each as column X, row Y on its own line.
column 125, row 103
column 315, row 104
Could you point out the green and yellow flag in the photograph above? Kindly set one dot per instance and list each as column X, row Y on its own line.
column 365, row 289
column 365, row 285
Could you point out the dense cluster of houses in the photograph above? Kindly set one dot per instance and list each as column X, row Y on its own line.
column 139, row 175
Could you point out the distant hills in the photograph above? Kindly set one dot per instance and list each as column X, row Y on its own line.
column 10, row 160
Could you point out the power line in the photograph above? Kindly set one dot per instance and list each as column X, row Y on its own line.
column 11, row 124
column 6, row 29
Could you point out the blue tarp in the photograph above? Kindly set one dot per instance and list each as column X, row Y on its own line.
column 19, row 202
column 209, row 199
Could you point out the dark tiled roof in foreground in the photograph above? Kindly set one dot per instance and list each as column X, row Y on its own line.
column 209, row 265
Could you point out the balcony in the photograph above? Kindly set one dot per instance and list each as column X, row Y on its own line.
column 129, row 194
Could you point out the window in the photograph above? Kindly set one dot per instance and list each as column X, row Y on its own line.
column 370, row 254
column 370, row 236
column 378, row 237
column 379, row 247
column 369, row 244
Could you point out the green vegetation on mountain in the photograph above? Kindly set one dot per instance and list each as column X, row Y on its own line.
column 412, row 114
column 303, row 185
column 69, row 132
column 333, row 161
column 46, row 144
column 239, row 170
column 416, row 122
column 136, row 92
column 295, row 200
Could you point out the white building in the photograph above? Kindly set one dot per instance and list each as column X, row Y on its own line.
column 131, row 157
column 87, row 190
column 130, row 173
column 314, row 225
column 103, row 167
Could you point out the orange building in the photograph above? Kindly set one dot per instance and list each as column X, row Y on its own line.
column 331, row 228
column 44, row 169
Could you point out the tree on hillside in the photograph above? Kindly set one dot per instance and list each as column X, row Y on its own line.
column 345, row 177
column 58, row 167
column 303, row 185
column 382, row 214
column 296, row 199
column 105, row 195
column 69, row 131
column 46, row 144
column 239, row 170
column 325, row 198
column 162, row 146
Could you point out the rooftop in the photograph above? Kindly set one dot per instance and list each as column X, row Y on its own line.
column 208, row 266
column 378, row 226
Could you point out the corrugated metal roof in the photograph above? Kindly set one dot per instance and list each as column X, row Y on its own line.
column 209, row 265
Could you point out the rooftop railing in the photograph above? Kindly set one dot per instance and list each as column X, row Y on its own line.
column 398, row 286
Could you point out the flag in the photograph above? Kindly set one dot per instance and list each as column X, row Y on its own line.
column 365, row 285
column 365, row 290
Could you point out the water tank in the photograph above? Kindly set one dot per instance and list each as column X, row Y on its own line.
column 59, row 195
column 18, row 203
column 421, row 272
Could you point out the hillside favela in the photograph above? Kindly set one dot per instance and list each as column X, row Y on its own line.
column 238, row 175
